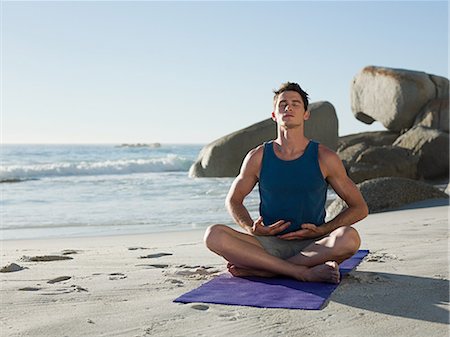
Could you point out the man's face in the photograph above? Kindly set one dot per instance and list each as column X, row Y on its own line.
column 290, row 110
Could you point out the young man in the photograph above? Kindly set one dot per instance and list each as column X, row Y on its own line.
column 290, row 237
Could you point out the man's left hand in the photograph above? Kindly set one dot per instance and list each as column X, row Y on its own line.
column 308, row 231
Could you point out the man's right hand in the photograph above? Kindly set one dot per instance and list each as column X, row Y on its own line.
column 259, row 228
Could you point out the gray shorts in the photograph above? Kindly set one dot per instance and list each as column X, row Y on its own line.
column 284, row 249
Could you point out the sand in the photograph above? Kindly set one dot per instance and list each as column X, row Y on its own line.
column 125, row 285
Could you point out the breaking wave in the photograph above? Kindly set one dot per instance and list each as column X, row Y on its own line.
column 170, row 163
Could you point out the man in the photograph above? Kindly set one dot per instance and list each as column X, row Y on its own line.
column 290, row 237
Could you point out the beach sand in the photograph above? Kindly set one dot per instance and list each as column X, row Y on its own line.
column 125, row 285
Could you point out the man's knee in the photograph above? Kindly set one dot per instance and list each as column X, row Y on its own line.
column 214, row 236
column 349, row 241
column 352, row 241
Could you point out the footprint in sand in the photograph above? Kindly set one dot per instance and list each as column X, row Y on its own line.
column 29, row 289
column 369, row 278
column 59, row 279
column 381, row 257
column 193, row 267
column 12, row 267
column 196, row 272
column 45, row 258
column 65, row 290
column 117, row 276
column 79, row 289
column 153, row 266
column 230, row 316
column 154, row 256
column 70, row 251
column 201, row 307
column 176, row 282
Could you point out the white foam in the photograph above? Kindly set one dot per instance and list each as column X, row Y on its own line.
column 170, row 163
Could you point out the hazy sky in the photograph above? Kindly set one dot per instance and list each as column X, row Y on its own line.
column 190, row 72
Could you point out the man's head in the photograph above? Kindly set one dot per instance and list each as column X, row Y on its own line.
column 290, row 86
column 290, row 105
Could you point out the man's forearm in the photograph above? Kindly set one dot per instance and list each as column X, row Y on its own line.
column 347, row 217
column 240, row 215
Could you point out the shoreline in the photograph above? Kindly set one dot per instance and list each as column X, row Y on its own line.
column 124, row 286
column 91, row 235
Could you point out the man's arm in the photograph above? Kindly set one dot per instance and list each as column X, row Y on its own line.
column 241, row 187
column 334, row 171
column 346, row 189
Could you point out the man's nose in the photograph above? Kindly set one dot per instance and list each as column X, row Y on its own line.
column 287, row 107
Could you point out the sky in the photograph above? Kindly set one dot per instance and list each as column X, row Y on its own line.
column 191, row 72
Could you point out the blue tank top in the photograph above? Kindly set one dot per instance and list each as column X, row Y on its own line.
column 292, row 190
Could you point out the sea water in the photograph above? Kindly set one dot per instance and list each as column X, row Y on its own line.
column 88, row 190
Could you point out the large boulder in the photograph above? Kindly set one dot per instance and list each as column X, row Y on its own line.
column 432, row 148
column 383, row 194
column 383, row 161
column 434, row 115
column 393, row 97
column 442, row 86
column 322, row 125
column 371, row 138
column 223, row 157
column 351, row 146
column 349, row 154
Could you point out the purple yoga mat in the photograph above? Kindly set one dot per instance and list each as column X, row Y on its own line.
column 268, row 292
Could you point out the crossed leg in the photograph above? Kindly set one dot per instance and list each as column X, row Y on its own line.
column 318, row 262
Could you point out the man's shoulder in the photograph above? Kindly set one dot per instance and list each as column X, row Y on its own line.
column 327, row 155
column 253, row 159
column 325, row 150
column 257, row 152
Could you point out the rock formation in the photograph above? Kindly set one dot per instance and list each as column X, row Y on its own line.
column 413, row 106
column 431, row 147
column 394, row 97
column 383, row 161
column 387, row 193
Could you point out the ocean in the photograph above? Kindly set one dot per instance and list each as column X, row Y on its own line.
column 53, row 191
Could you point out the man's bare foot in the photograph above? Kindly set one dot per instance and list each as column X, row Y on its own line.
column 327, row 272
column 244, row 272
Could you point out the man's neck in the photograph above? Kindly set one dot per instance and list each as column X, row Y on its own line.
column 291, row 141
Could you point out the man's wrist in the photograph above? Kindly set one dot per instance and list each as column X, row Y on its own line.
column 324, row 230
column 248, row 229
column 328, row 227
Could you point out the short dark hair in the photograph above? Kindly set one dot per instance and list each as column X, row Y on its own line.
column 291, row 86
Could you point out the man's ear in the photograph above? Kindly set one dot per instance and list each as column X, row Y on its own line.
column 273, row 116
column 306, row 115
